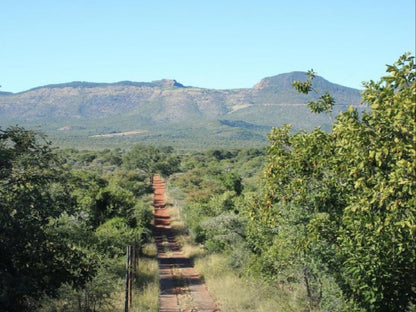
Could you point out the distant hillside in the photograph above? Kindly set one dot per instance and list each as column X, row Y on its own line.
column 85, row 109
column 164, row 83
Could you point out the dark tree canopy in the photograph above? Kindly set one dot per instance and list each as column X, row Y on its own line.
column 33, row 192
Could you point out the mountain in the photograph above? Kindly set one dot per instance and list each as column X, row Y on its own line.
column 155, row 111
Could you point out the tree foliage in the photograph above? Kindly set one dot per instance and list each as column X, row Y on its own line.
column 341, row 206
column 33, row 192
column 325, row 102
column 151, row 159
column 65, row 219
column 213, row 187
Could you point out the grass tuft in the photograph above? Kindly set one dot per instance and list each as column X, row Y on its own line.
column 235, row 293
column 146, row 285
column 232, row 292
column 146, row 291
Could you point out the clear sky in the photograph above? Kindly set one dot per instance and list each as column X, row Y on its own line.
column 211, row 44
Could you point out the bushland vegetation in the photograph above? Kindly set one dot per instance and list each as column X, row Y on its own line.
column 333, row 216
column 318, row 221
column 66, row 217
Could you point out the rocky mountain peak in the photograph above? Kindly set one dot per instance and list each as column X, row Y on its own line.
column 282, row 81
column 167, row 83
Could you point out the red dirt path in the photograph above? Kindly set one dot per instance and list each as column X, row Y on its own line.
column 181, row 289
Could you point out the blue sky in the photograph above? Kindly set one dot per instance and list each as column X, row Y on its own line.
column 210, row 44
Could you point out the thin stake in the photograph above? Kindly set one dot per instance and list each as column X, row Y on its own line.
column 130, row 274
column 126, row 302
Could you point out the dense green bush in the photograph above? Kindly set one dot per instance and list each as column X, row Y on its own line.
column 222, row 232
column 151, row 160
column 66, row 217
column 35, row 191
column 339, row 207
column 214, row 198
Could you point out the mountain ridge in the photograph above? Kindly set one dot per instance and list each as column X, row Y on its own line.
column 285, row 80
column 166, row 83
column 89, row 108
column 288, row 78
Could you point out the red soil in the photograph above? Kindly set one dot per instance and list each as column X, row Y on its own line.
column 181, row 289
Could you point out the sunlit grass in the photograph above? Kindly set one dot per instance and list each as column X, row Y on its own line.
column 145, row 296
column 232, row 292
column 189, row 249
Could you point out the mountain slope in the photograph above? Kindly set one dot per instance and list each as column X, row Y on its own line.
column 84, row 109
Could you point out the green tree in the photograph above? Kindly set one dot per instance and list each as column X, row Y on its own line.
column 151, row 159
column 377, row 236
column 33, row 193
column 341, row 206
column 232, row 182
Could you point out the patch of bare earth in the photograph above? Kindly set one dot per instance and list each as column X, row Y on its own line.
column 109, row 135
column 181, row 288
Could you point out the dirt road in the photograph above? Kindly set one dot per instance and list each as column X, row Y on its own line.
column 181, row 289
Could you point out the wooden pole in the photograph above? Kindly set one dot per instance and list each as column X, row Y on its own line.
column 126, row 302
column 130, row 274
column 135, row 261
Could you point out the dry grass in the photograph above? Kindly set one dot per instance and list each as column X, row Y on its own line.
column 146, row 297
column 236, row 294
column 232, row 292
column 189, row 249
column 146, row 286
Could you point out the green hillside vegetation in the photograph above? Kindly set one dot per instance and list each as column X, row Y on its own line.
column 166, row 112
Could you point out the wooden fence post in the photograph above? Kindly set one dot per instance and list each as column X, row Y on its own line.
column 126, row 302
column 131, row 268
column 130, row 274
